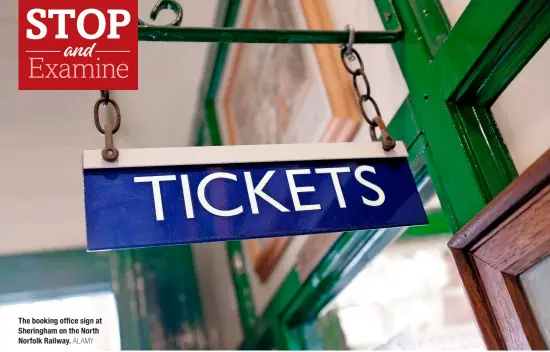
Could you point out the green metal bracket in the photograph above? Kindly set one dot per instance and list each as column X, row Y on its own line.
column 276, row 36
column 172, row 32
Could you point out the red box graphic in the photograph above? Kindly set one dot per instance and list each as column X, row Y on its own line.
column 78, row 45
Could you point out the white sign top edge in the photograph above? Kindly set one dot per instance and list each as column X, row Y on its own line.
column 240, row 154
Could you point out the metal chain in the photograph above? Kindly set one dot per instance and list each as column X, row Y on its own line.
column 350, row 54
column 105, row 97
column 109, row 152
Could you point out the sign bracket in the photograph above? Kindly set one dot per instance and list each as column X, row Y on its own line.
column 172, row 32
column 348, row 54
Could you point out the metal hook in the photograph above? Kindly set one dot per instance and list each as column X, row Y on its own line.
column 388, row 143
column 109, row 153
column 351, row 41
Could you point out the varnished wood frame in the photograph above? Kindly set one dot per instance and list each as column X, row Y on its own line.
column 504, row 240
column 346, row 119
column 265, row 259
column 342, row 99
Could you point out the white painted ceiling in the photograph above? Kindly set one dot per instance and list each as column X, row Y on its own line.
column 42, row 133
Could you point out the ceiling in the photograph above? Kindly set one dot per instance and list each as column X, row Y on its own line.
column 42, row 133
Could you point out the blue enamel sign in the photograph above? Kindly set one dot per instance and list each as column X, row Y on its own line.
column 157, row 197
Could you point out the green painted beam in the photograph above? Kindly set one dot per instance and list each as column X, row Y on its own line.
column 488, row 46
column 217, row 59
column 211, row 121
column 230, row 13
column 277, row 36
column 472, row 35
column 432, row 22
column 521, row 37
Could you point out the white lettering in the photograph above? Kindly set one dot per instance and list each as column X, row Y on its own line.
column 114, row 24
column 61, row 24
column 51, row 70
column 333, row 171
column 38, row 67
column 187, row 197
column 295, row 190
column 80, row 24
column 378, row 190
column 202, row 197
column 157, row 197
column 258, row 190
column 79, row 51
column 38, row 24
column 75, row 71
column 62, row 14
column 124, row 68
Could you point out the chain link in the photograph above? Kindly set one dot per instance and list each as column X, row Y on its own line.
column 364, row 96
column 109, row 152
column 105, row 97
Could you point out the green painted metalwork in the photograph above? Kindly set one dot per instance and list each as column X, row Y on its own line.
column 277, row 36
column 158, row 299
column 458, row 146
column 492, row 31
column 294, row 339
column 133, row 325
column 478, row 130
column 170, row 290
column 227, row 12
column 513, row 33
column 217, row 64
column 47, row 275
column 437, row 226
column 330, row 332
column 403, row 126
column 432, row 22
column 529, row 31
column 243, row 292
column 270, row 321
column 171, row 5
column 228, row 20
column 171, row 32
column 310, row 336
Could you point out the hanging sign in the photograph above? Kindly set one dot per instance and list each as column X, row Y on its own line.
column 170, row 196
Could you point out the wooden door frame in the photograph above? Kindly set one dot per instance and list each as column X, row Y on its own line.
column 504, row 240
